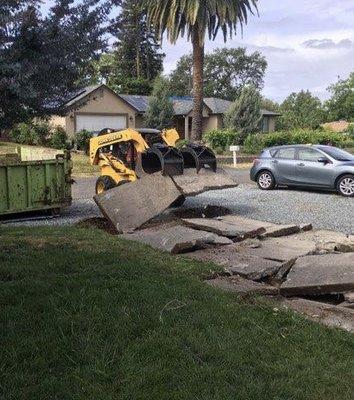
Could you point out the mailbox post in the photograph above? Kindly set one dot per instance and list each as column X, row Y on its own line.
column 234, row 150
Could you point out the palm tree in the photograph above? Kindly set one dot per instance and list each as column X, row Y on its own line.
column 195, row 19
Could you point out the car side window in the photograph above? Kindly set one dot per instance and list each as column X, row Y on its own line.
column 286, row 154
column 309, row 155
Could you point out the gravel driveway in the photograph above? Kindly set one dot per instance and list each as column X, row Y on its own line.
column 323, row 210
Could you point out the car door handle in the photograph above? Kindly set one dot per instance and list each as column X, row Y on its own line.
column 301, row 164
column 275, row 161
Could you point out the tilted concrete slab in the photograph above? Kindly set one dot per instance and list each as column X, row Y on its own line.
column 320, row 274
column 235, row 263
column 326, row 314
column 177, row 239
column 129, row 206
column 242, row 286
column 224, row 228
column 192, row 184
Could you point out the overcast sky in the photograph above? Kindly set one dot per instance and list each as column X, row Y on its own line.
column 307, row 43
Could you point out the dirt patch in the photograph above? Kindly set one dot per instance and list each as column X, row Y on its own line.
column 97, row 223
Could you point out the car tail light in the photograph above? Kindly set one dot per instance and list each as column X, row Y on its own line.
column 256, row 162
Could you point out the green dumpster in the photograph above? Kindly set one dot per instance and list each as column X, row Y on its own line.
column 34, row 180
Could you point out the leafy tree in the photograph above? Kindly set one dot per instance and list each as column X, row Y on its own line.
column 42, row 58
column 270, row 105
column 341, row 104
column 244, row 115
column 301, row 110
column 159, row 114
column 137, row 58
column 196, row 20
column 226, row 72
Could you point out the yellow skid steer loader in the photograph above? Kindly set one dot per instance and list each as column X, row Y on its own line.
column 158, row 174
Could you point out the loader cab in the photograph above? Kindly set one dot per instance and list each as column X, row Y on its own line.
column 124, row 151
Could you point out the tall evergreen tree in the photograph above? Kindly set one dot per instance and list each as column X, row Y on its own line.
column 138, row 59
column 42, row 58
column 159, row 114
column 244, row 115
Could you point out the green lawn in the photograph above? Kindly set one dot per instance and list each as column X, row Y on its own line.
column 85, row 315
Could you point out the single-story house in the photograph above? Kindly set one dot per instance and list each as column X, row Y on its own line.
column 98, row 107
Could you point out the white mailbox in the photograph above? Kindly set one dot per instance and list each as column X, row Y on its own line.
column 234, row 150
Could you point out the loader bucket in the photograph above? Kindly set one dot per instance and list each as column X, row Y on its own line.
column 198, row 157
column 158, row 157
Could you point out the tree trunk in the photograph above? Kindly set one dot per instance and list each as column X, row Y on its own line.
column 198, row 86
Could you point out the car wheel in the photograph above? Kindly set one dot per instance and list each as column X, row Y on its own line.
column 345, row 185
column 266, row 181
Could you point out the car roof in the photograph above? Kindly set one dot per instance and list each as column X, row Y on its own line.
column 315, row 146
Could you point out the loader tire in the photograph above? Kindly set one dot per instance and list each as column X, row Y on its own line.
column 104, row 183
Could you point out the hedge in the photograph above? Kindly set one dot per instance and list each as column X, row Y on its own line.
column 255, row 143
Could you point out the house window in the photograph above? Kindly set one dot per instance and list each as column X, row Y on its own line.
column 266, row 122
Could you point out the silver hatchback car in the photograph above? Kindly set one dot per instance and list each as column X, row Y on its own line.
column 315, row 166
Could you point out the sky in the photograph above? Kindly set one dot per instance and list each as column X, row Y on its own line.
column 308, row 44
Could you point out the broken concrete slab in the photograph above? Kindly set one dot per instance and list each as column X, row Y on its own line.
column 129, row 206
column 278, row 249
column 346, row 304
column 306, row 227
column 327, row 314
column 280, row 230
column 177, row 239
column 329, row 241
column 223, row 228
column 192, row 184
column 320, row 274
column 248, row 266
column 349, row 297
column 242, row 286
column 246, row 223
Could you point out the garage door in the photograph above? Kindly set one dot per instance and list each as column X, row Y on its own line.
column 95, row 123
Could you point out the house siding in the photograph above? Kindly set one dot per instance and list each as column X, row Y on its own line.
column 103, row 102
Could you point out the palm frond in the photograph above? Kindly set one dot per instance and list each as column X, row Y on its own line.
column 182, row 17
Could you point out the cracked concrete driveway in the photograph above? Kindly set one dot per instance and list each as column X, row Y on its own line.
column 324, row 210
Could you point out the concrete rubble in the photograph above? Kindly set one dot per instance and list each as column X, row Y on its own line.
column 224, row 228
column 177, row 239
column 320, row 274
column 326, row 314
column 291, row 262
column 248, row 266
column 242, row 286
column 129, row 206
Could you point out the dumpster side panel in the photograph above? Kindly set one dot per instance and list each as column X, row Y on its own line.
column 3, row 190
column 35, row 185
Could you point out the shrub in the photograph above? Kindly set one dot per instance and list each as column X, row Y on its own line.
column 181, row 143
column 82, row 140
column 351, row 131
column 255, row 143
column 58, row 139
column 220, row 140
column 30, row 133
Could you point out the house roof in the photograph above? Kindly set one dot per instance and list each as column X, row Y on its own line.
column 80, row 94
column 181, row 105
